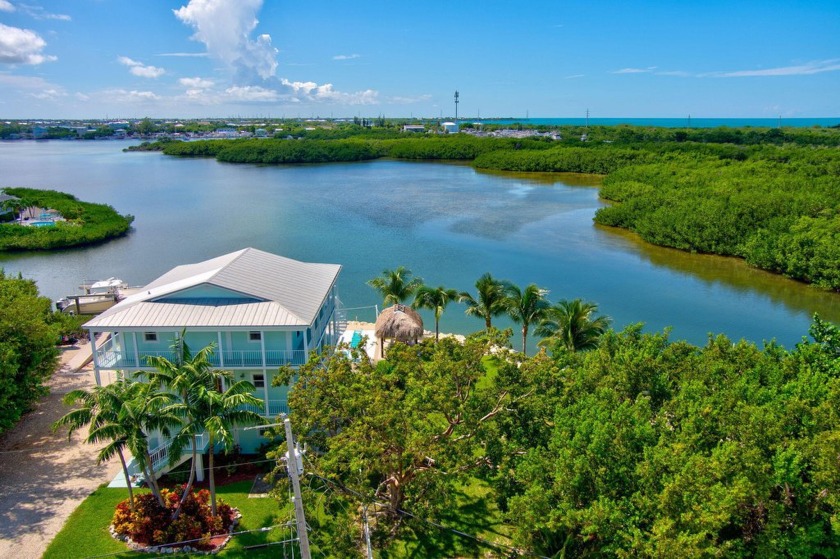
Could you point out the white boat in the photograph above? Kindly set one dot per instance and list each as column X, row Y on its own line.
column 96, row 297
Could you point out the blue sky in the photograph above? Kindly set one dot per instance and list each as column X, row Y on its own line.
column 260, row 58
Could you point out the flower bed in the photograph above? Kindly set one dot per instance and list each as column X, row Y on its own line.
column 150, row 527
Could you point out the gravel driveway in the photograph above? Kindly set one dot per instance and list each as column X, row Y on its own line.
column 43, row 477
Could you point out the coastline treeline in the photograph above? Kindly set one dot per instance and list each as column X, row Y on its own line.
column 86, row 223
column 769, row 196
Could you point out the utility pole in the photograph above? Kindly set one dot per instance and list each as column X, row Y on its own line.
column 295, row 466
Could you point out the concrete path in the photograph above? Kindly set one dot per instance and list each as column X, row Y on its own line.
column 43, row 477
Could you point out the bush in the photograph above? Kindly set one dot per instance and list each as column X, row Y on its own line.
column 152, row 525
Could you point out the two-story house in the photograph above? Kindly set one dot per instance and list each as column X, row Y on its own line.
column 261, row 311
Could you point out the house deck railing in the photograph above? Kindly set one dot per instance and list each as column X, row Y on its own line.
column 160, row 455
column 112, row 356
column 273, row 409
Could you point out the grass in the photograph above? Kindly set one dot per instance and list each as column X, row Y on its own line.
column 86, row 533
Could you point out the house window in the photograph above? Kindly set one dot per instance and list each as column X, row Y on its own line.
column 255, row 336
column 150, row 336
column 259, row 381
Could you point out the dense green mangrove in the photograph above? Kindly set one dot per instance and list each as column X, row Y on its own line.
column 85, row 223
column 770, row 196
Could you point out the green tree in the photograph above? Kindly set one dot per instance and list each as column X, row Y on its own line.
column 525, row 307
column 28, row 356
column 121, row 414
column 436, row 299
column 490, row 299
column 572, row 325
column 401, row 431
column 395, row 286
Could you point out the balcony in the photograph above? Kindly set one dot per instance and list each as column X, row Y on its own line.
column 111, row 356
column 274, row 408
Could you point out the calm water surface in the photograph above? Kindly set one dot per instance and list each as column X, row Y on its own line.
column 447, row 223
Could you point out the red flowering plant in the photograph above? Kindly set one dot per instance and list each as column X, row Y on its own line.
column 151, row 524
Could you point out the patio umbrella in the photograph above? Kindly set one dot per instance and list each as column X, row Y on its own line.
column 400, row 323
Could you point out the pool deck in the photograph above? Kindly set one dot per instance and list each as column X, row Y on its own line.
column 366, row 329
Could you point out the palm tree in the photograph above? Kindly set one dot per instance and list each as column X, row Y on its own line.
column 436, row 299
column 525, row 306
column 490, row 302
column 182, row 376
column 216, row 413
column 395, row 286
column 120, row 414
column 203, row 406
column 572, row 325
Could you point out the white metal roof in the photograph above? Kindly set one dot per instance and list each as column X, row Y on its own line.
column 275, row 291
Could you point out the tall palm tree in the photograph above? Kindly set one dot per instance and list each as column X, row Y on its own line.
column 395, row 286
column 435, row 299
column 490, row 300
column 120, row 414
column 216, row 413
column 182, row 376
column 525, row 306
column 572, row 324
column 204, row 406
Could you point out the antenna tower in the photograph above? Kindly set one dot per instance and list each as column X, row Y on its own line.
column 456, row 105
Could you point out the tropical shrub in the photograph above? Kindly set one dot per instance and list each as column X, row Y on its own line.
column 151, row 524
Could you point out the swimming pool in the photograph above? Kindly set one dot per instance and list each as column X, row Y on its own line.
column 42, row 223
column 356, row 340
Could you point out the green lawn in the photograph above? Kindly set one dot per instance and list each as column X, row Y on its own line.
column 86, row 532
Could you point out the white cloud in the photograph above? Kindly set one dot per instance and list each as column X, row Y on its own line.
column 251, row 93
column 133, row 96
column 6, row 6
column 196, row 83
column 36, row 12
column 574, row 76
column 809, row 68
column 21, row 46
column 82, row 97
column 311, row 91
column 635, row 70
column 185, row 54
column 224, row 26
column 51, row 93
column 346, row 56
column 140, row 69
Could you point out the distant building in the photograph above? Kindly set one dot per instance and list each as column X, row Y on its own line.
column 450, row 127
column 414, row 128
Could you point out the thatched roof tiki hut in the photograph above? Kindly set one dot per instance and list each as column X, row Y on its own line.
column 400, row 323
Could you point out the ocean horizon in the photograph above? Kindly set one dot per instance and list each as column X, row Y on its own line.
column 686, row 122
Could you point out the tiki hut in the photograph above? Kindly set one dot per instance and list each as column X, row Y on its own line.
column 400, row 323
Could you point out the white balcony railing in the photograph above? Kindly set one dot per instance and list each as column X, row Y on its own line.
column 160, row 455
column 111, row 356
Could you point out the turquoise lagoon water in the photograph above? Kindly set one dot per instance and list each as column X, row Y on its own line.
column 447, row 223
